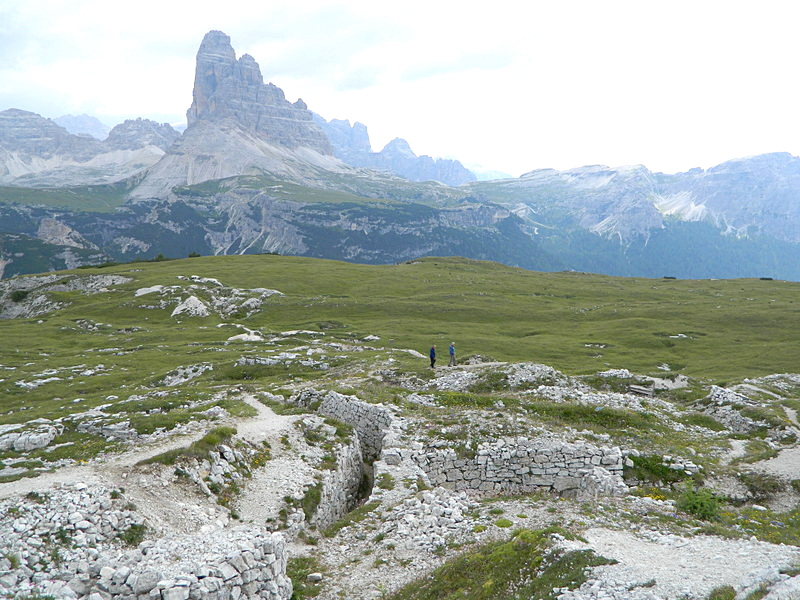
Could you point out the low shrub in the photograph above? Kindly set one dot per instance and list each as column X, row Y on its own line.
column 701, row 503
column 133, row 535
column 725, row 592
column 651, row 468
column 526, row 566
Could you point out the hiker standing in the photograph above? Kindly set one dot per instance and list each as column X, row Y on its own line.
column 452, row 354
column 433, row 355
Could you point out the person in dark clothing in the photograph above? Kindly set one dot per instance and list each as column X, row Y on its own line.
column 433, row 355
column 452, row 354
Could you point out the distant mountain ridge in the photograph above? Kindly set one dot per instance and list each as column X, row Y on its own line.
column 84, row 125
column 254, row 172
column 745, row 197
column 352, row 145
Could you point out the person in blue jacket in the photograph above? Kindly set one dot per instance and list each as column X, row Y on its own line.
column 452, row 354
column 433, row 355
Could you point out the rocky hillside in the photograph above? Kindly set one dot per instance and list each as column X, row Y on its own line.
column 732, row 220
column 257, row 427
column 37, row 152
column 352, row 145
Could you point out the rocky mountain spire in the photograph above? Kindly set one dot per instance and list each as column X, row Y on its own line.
column 226, row 88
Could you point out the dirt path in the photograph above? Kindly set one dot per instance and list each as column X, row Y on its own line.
column 658, row 565
column 285, row 474
column 738, row 449
column 98, row 472
column 118, row 470
column 786, row 464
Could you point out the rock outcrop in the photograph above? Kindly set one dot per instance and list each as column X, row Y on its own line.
column 135, row 133
column 81, row 557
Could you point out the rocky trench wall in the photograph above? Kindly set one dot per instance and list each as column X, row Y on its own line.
column 521, row 465
column 339, row 487
column 369, row 420
column 506, row 466
column 66, row 545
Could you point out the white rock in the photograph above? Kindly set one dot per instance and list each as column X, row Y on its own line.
column 192, row 307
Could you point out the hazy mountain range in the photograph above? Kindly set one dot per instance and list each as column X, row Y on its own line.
column 254, row 172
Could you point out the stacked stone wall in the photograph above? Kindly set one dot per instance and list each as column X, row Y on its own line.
column 369, row 420
column 521, row 465
column 339, row 491
column 67, row 544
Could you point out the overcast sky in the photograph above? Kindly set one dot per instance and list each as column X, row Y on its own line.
column 510, row 85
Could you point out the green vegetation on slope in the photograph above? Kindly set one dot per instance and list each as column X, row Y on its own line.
column 89, row 198
column 522, row 567
column 116, row 348
column 575, row 322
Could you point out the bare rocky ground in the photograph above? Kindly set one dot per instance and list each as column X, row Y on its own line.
column 651, row 563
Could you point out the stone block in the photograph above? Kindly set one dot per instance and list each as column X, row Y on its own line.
column 565, row 483
column 142, row 583
column 238, row 563
column 227, row 571
column 454, row 475
column 175, row 593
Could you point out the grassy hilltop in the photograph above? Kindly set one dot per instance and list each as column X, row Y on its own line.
column 576, row 322
column 714, row 331
column 115, row 358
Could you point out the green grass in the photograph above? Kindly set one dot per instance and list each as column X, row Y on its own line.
column 354, row 516
column 298, row 568
column 766, row 525
column 507, row 313
column 133, row 535
column 385, row 481
column 599, row 419
column 725, row 592
column 94, row 198
column 523, row 567
column 199, row 449
column 488, row 309
column 702, row 420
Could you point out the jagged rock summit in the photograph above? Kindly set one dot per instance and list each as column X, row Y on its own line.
column 133, row 133
column 238, row 125
column 226, row 88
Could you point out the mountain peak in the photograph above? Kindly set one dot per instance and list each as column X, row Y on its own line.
column 229, row 89
column 399, row 146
